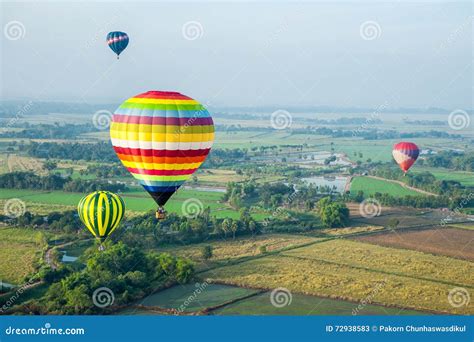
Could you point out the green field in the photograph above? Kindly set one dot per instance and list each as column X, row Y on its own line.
column 306, row 305
column 136, row 200
column 370, row 186
column 464, row 177
column 195, row 297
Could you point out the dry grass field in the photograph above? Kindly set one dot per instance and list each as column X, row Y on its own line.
column 451, row 242
column 314, row 277
column 354, row 270
column 241, row 247
column 19, row 249
column 389, row 260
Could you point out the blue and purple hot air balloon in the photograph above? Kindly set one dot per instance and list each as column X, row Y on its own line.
column 117, row 41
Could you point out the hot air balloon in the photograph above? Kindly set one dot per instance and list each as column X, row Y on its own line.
column 405, row 154
column 101, row 213
column 162, row 138
column 117, row 41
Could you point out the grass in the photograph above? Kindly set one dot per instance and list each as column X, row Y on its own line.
column 390, row 260
column 136, row 200
column 464, row 177
column 447, row 241
column 338, row 281
column 241, row 247
column 468, row 226
column 350, row 230
column 19, row 249
column 370, row 186
column 306, row 305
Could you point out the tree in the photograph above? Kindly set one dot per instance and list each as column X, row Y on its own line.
column 206, row 252
column 225, row 227
column 234, row 227
column 184, row 270
column 49, row 165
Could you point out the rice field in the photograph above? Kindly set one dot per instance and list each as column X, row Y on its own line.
column 371, row 185
column 354, row 277
column 136, row 200
column 195, row 297
column 389, row 260
column 463, row 177
column 299, row 304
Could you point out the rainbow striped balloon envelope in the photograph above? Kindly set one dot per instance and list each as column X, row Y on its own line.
column 162, row 138
column 405, row 154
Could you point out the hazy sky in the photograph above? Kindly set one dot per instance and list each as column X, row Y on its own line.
column 246, row 54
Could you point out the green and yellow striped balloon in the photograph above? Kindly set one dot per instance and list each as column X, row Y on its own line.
column 101, row 212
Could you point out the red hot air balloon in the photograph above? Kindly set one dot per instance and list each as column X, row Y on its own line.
column 405, row 154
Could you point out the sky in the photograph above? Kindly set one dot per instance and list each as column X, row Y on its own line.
column 370, row 54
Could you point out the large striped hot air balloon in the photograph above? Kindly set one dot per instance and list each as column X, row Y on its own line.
column 117, row 41
column 405, row 154
column 162, row 138
column 101, row 213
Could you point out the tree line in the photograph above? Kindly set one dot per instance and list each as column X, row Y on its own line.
column 29, row 180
